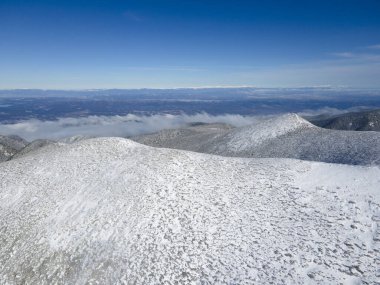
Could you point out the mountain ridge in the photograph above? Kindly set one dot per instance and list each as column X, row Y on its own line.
column 356, row 121
column 287, row 136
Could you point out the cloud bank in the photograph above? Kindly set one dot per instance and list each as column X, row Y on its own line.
column 133, row 125
column 328, row 111
column 121, row 126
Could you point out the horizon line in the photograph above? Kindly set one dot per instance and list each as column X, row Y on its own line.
column 191, row 88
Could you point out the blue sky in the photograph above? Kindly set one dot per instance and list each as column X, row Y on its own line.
column 165, row 44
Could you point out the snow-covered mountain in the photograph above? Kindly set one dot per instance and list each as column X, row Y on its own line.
column 356, row 121
column 10, row 145
column 287, row 136
column 112, row 211
column 192, row 137
column 30, row 147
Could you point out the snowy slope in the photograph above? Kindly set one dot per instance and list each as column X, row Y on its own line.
column 245, row 138
column 192, row 137
column 287, row 136
column 356, row 121
column 34, row 145
column 9, row 145
column 111, row 211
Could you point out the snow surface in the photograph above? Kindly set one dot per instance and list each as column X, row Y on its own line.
column 255, row 135
column 112, row 211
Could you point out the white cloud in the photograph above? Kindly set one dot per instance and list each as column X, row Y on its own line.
column 132, row 16
column 344, row 54
column 374, row 46
column 132, row 125
column 360, row 71
column 332, row 111
column 358, row 57
column 124, row 126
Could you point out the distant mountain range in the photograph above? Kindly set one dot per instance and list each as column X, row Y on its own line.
column 355, row 121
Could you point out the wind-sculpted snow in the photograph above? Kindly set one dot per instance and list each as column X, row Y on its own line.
column 287, row 136
column 111, row 211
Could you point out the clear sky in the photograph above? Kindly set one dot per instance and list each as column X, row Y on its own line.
column 163, row 44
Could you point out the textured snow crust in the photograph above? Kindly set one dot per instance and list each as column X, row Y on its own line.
column 112, row 211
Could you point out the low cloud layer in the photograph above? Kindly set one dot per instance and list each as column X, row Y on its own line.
column 328, row 111
column 132, row 125
column 122, row 126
